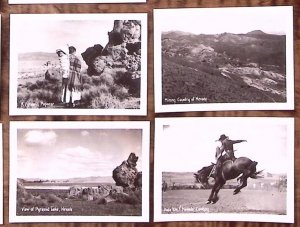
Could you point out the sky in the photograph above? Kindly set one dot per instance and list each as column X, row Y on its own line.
column 192, row 145
column 47, row 34
column 220, row 20
column 68, row 153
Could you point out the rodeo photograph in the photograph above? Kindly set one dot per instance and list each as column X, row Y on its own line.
column 224, row 169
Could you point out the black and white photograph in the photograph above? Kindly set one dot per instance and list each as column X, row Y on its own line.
column 233, row 58
column 79, row 172
column 224, row 169
column 72, row 1
column 78, row 64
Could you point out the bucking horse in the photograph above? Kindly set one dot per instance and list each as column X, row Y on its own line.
column 241, row 168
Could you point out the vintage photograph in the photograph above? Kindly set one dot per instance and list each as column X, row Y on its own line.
column 78, row 64
column 224, row 169
column 71, row 1
column 79, row 172
column 224, row 59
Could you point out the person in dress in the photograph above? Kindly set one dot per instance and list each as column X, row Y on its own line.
column 64, row 68
column 75, row 79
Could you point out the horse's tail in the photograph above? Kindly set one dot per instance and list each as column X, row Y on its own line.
column 256, row 174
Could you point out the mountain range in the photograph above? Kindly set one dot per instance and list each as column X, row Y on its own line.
column 224, row 67
column 91, row 179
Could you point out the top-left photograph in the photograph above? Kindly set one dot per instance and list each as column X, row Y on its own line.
column 78, row 64
column 71, row 1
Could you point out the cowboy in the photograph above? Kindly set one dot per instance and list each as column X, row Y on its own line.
column 227, row 146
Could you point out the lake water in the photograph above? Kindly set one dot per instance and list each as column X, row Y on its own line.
column 53, row 187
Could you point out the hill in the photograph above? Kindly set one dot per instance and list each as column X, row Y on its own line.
column 224, row 67
column 38, row 56
column 256, row 32
column 92, row 179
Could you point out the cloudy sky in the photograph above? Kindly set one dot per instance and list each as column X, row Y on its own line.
column 67, row 153
column 188, row 146
column 219, row 20
column 46, row 34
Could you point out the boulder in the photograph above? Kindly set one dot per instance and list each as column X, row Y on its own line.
column 126, row 173
column 125, row 31
column 117, row 194
column 89, row 193
column 89, row 56
column 123, row 49
column 138, row 180
column 75, row 191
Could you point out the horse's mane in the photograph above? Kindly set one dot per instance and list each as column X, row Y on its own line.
column 206, row 168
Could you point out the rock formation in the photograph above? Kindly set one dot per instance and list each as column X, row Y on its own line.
column 128, row 188
column 138, row 180
column 89, row 56
column 125, row 174
column 121, row 55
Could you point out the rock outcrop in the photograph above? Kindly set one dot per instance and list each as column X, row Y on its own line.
column 122, row 53
column 125, row 174
column 128, row 188
column 89, row 56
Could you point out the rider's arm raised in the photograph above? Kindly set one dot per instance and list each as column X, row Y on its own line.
column 238, row 141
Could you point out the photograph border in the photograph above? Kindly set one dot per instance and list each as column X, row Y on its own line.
column 160, row 14
column 15, row 125
column 13, row 70
column 159, row 217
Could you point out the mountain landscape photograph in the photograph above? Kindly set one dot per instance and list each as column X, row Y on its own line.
column 205, row 60
column 223, row 67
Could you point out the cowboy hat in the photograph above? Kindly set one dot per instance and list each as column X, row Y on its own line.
column 59, row 50
column 64, row 49
column 222, row 137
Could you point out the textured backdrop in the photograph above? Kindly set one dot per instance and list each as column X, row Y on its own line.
column 148, row 7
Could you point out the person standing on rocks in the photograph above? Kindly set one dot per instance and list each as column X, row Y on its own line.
column 64, row 68
column 75, row 79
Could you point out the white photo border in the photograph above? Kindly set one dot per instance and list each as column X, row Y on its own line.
column 160, row 217
column 13, row 83
column 162, row 14
column 143, row 125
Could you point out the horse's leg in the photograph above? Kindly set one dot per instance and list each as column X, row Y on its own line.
column 213, row 191
column 220, row 185
column 244, row 184
column 239, row 179
column 211, row 196
column 243, row 179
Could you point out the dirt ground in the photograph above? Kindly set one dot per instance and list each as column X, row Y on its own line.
column 248, row 201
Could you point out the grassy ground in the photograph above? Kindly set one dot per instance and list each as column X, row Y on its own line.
column 203, row 83
column 76, row 207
